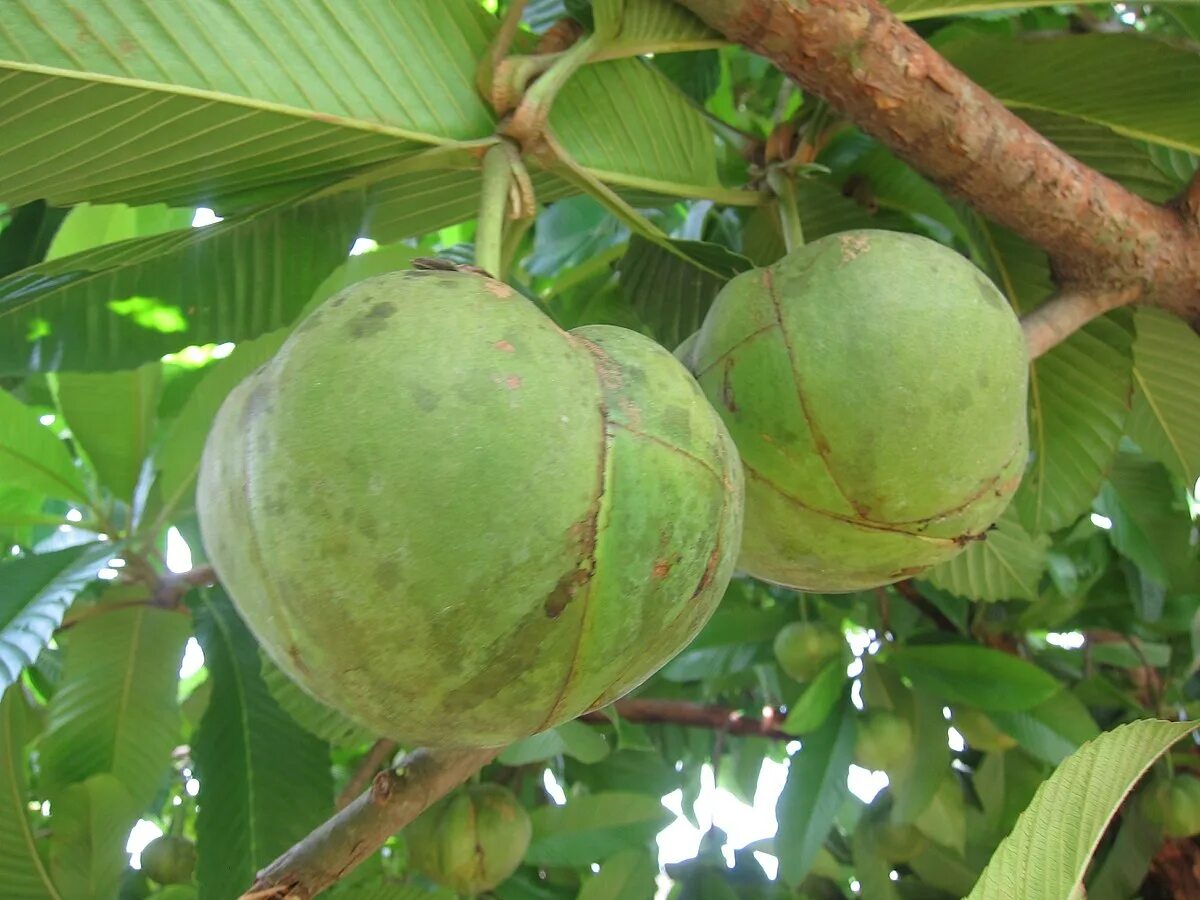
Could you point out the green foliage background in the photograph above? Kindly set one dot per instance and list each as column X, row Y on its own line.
column 122, row 328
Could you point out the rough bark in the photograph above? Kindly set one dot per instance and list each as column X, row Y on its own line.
column 696, row 715
column 395, row 798
column 1104, row 242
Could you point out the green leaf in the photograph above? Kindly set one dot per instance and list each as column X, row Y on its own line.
column 112, row 416
column 944, row 819
column 1151, row 524
column 115, row 711
column 927, row 9
column 22, row 869
column 626, row 123
column 35, row 592
column 1133, row 163
column 815, row 789
column 629, row 875
column 88, row 225
column 31, row 455
column 122, row 304
column 1166, row 375
column 914, row 783
column 264, row 781
column 1057, row 835
column 328, row 93
column 1052, row 730
column 27, row 237
column 592, row 828
column 583, row 742
column 313, row 716
column 672, row 294
column 820, row 696
column 1135, row 85
column 647, row 26
column 178, row 456
column 871, row 868
column 974, row 675
column 1007, row 565
column 87, row 847
column 1079, row 396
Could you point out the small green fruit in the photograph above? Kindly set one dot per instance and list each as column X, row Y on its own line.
column 470, row 841
column 459, row 525
column 804, row 648
column 884, row 740
column 875, row 384
column 169, row 859
column 980, row 732
column 1174, row 804
column 899, row 843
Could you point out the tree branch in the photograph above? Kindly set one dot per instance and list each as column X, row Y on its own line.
column 694, row 715
column 1068, row 311
column 1105, row 242
column 395, row 798
column 379, row 755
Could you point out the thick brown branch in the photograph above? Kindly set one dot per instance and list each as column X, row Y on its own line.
column 880, row 74
column 395, row 798
column 695, row 715
column 377, row 757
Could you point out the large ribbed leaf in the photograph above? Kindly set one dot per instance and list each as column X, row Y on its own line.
column 312, row 715
column 23, row 873
column 671, row 294
column 141, row 103
column 1005, row 566
column 178, row 456
column 123, row 304
column 87, row 843
column 1137, row 86
column 632, row 127
column 1137, row 165
column 925, row 9
column 650, row 26
column 1078, row 402
column 35, row 592
column 115, row 710
column 32, row 457
column 1166, row 376
column 111, row 417
column 264, row 781
column 1047, row 853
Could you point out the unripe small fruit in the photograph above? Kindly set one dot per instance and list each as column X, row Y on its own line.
column 471, row 841
column 169, row 859
column 804, row 648
column 884, row 740
column 1174, row 804
column 979, row 731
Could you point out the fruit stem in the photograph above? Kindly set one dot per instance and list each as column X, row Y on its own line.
column 804, row 613
column 783, row 186
column 493, row 205
column 529, row 119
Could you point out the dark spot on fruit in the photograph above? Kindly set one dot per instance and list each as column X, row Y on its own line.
column 662, row 568
column 366, row 524
column 425, row 399
column 984, row 378
column 293, row 653
column 564, row 592
column 513, row 382
column 338, row 301
column 275, row 506
column 387, row 573
column 370, row 321
column 727, row 386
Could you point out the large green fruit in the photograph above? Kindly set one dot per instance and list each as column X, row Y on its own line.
column 460, row 525
column 169, row 859
column 804, row 648
column 1174, row 804
column 875, row 385
column 470, row 841
column 883, row 741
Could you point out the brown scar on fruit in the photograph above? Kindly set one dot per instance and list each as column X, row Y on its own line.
column 513, row 382
column 498, row 289
column 504, row 346
column 853, row 245
column 727, row 387
column 662, row 567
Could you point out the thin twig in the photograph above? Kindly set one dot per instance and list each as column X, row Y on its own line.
column 909, row 592
column 1062, row 315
